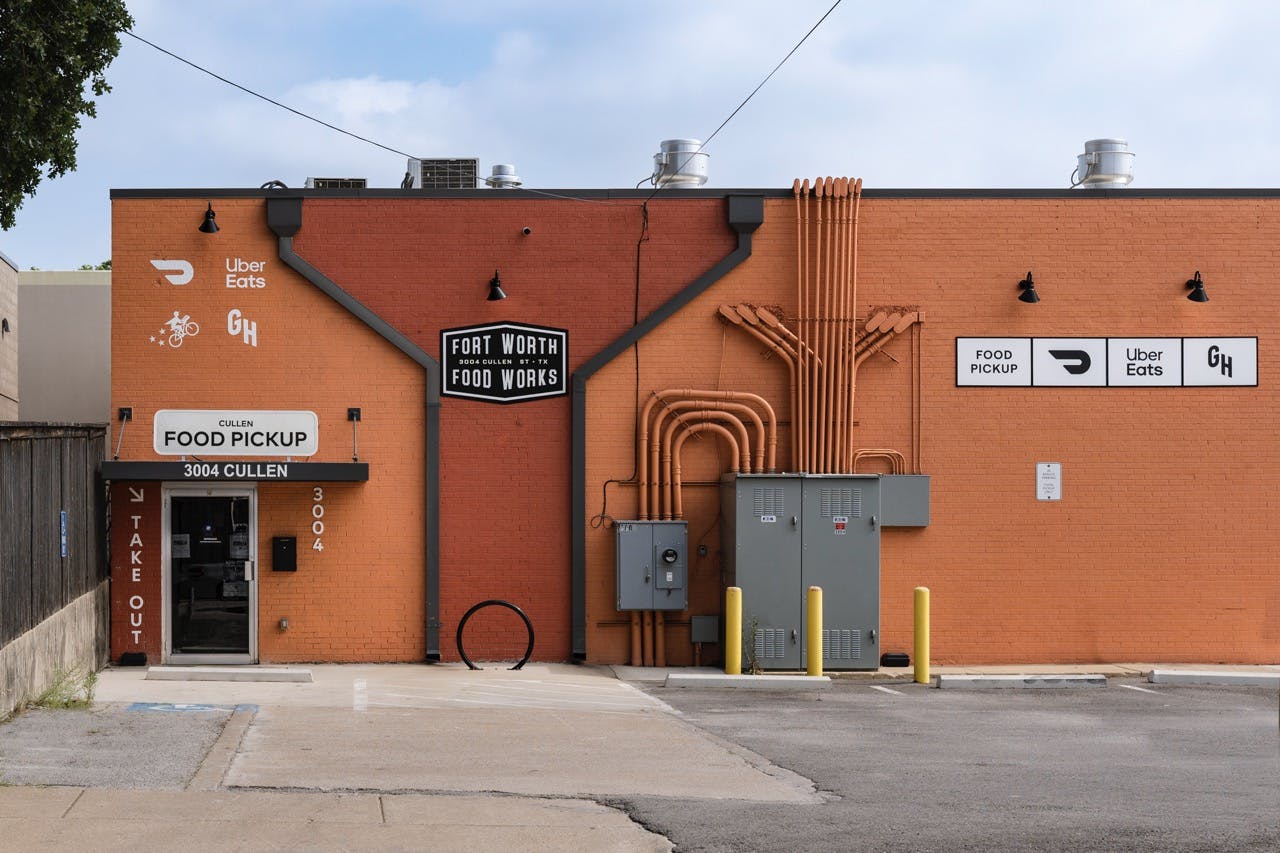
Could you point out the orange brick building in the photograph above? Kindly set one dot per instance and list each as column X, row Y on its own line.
column 1147, row 537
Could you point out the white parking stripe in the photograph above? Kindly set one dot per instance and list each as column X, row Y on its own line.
column 1140, row 689
column 360, row 695
column 886, row 690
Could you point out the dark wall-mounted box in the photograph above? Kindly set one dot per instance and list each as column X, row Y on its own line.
column 904, row 500
column 284, row 553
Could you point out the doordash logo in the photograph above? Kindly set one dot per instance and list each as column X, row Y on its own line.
column 181, row 271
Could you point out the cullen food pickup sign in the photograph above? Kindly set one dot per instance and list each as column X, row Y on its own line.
column 504, row 362
column 248, row 433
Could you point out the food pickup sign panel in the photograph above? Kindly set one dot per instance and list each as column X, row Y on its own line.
column 188, row 432
column 1107, row 362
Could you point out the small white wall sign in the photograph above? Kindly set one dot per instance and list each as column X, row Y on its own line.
column 1048, row 481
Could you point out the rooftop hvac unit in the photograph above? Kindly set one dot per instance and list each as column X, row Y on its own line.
column 457, row 173
column 336, row 183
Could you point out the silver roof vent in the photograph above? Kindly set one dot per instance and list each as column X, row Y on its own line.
column 1105, row 164
column 679, row 163
column 503, row 178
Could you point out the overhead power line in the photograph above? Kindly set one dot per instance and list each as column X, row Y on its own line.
column 249, row 91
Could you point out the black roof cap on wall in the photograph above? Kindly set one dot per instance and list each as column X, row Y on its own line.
column 605, row 194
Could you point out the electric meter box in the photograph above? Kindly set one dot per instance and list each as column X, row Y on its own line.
column 652, row 565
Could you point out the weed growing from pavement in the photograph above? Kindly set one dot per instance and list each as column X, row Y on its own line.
column 70, row 688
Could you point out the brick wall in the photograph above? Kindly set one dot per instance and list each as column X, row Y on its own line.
column 362, row 597
column 1161, row 547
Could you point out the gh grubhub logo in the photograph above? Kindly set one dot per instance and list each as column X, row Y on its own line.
column 1220, row 360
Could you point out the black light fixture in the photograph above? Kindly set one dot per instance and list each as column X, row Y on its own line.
column 1196, row 286
column 495, row 288
column 1028, row 287
column 209, row 226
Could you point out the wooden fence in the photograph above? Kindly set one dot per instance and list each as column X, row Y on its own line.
column 52, row 520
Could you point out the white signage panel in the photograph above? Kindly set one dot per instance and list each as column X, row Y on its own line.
column 1069, row 362
column 1049, row 481
column 1144, row 361
column 187, row 432
column 1220, row 361
column 993, row 361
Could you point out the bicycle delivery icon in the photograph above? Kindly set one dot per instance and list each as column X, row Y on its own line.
column 176, row 329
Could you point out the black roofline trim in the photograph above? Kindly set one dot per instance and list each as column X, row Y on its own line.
column 551, row 195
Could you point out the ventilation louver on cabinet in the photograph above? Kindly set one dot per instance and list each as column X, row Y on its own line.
column 841, row 643
column 771, row 643
column 845, row 502
column 768, row 502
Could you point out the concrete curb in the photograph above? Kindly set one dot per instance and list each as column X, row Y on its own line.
column 227, row 673
column 987, row 682
column 750, row 682
column 1212, row 677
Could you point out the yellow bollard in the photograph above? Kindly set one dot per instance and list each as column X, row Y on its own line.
column 813, row 635
column 922, row 635
column 733, row 631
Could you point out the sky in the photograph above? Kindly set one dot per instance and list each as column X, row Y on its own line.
column 914, row 93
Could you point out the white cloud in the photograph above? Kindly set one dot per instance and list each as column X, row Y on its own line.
column 577, row 94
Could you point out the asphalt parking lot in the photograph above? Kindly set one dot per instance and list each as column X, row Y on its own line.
column 1133, row 766
column 569, row 758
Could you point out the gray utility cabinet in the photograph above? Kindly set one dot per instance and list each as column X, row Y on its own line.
column 652, row 563
column 786, row 532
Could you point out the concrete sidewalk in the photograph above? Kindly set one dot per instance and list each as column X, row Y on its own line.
column 135, row 820
column 385, row 757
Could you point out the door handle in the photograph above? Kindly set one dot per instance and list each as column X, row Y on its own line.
column 248, row 570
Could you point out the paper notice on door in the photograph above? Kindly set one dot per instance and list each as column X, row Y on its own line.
column 180, row 548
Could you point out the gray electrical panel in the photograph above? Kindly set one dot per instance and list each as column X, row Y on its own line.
column 652, row 565
column 787, row 532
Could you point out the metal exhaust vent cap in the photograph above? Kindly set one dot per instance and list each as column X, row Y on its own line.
column 679, row 163
column 503, row 178
column 1105, row 164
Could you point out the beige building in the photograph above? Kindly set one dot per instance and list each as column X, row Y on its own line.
column 8, row 339
column 64, row 358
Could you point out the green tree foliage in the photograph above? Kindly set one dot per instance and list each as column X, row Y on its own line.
column 52, row 56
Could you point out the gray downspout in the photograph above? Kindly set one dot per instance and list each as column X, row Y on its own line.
column 746, row 214
column 284, row 217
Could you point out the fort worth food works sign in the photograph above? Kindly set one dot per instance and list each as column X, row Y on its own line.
column 504, row 362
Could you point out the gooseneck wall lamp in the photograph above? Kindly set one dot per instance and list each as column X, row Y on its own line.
column 209, row 226
column 495, row 288
column 1028, row 288
column 1196, row 286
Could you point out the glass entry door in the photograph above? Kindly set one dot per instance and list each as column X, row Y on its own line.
column 212, row 583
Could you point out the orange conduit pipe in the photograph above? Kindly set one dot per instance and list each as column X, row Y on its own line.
column 853, row 302
column 648, row 466
column 897, row 462
column 678, row 445
column 760, row 403
column 839, row 401
column 741, row 449
column 660, row 451
column 659, row 638
column 788, row 355
column 636, row 658
column 737, row 410
column 802, row 331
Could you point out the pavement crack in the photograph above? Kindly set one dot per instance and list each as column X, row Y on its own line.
column 73, row 803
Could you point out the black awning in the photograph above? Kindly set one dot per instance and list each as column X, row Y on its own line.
column 327, row 472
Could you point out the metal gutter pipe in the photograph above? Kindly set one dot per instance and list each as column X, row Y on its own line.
column 284, row 218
